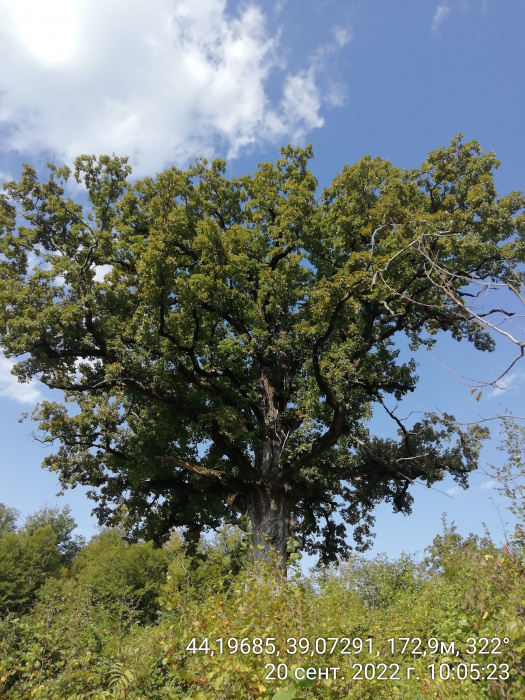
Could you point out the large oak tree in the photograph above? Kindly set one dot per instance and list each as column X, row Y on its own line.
column 221, row 344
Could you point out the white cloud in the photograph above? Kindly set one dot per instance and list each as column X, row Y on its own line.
column 464, row 6
column 336, row 94
column 301, row 103
column 279, row 6
column 442, row 11
column 11, row 388
column 343, row 35
column 488, row 485
column 59, row 20
column 5, row 177
column 505, row 384
column 453, row 491
column 160, row 86
column 101, row 271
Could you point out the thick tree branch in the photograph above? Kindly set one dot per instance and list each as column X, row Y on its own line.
column 317, row 447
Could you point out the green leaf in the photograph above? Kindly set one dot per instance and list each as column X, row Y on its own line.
column 285, row 694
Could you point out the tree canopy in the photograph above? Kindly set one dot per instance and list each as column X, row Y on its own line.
column 31, row 554
column 221, row 343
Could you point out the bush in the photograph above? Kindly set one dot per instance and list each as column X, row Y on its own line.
column 117, row 572
column 99, row 634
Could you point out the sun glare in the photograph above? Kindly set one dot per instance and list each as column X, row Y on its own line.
column 48, row 29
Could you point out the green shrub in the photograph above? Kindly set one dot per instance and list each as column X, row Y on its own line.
column 88, row 637
column 117, row 572
column 28, row 560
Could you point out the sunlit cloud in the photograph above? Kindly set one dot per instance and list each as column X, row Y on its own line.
column 101, row 271
column 48, row 29
column 190, row 78
column 301, row 103
column 336, row 95
column 11, row 388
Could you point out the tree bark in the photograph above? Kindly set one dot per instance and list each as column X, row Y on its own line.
column 270, row 524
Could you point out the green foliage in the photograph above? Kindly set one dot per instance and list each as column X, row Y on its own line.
column 213, row 566
column 28, row 559
column 379, row 581
column 119, row 573
column 38, row 550
column 450, row 551
column 221, row 343
column 378, row 602
column 84, row 635
column 8, row 518
column 80, row 641
column 72, row 645
column 511, row 475
column 63, row 525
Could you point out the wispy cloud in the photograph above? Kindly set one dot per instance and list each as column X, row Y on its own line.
column 279, row 6
column 508, row 383
column 453, row 491
column 163, row 86
column 467, row 5
column 442, row 11
column 5, row 177
column 343, row 35
column 488, row 485
column 11, row 388
column 336, row 95
column 301, row 103
column 464, row 6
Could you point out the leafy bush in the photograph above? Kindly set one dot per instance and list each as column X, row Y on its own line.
column 28, row 559
column 30, row 555
column 120, row 573
column 72, row 645
column 97, row 632
column 466, row 590
column 511, row 475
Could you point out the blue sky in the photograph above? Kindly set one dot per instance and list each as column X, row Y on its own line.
column 165, row 82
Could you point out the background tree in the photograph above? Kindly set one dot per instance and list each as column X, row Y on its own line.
column 225, row 341
column 122, row 574
column 63, row 525
column 511, row 474
column 33, row 553
column 8, row 518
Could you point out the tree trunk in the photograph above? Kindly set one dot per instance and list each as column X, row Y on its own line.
column 269, row 512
